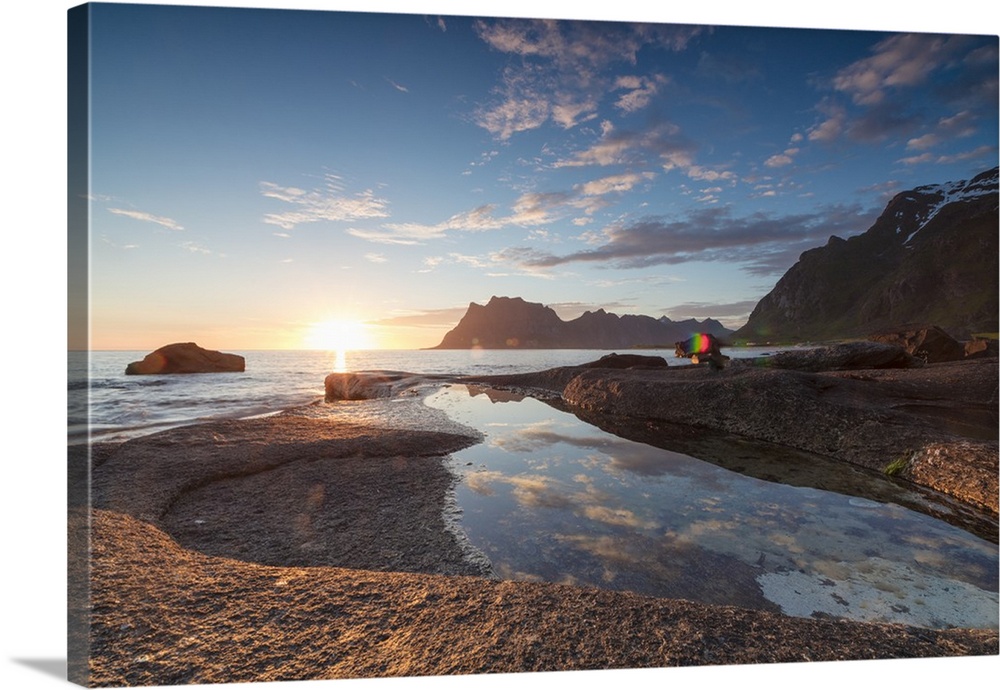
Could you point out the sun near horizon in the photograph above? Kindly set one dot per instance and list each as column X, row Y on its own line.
column 340, row 335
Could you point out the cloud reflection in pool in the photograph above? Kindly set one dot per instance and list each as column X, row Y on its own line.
column 548, row 497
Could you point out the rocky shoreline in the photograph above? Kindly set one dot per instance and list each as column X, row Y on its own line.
column 316, row 543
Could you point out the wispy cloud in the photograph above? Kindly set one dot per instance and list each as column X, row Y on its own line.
column 662, row 145
column 168, row 223
column 431, row 318
column 900, row 61
column 614, row 183
column 833, row 123
column 639, row 91
column 196, row 248
column 430, row 263
column 762, row 243
column 730, row 314
column 328, row 203
column 561, row 77
column 398, row 87
column 110, row 243
column 572, row 45
column 879, row 89
column 779, row 160
column 525, row 102
column 477, row 220
column 987, row 154
column 960, row 125
column 530, row 210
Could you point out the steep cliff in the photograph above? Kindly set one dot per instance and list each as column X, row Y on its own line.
column 931, row 257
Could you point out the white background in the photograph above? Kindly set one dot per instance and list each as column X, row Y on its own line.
column 33, row 250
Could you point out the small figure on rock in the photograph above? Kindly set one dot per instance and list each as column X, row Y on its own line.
column 702, row 347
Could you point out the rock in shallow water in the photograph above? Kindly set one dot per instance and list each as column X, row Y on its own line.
column 369, row 385
column 186, row 358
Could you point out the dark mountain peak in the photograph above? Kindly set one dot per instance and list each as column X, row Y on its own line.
column 931, row 256
column 708, row 325
column 511, row 322
column 715, row 327
column 983, row 183
column 499, row 304
column 597, row 315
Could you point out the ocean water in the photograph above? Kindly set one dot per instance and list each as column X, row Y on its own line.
column 116, row 406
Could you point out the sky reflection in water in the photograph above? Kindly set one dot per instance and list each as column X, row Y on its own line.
column 547, row 497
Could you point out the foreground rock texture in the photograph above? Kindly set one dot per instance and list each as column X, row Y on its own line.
column 186, row 358
column 312, row 544
column 168, row 615
column 931, row 257
column 868, row 404
column 928, row 343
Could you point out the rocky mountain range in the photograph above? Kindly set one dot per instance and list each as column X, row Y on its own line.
column 930, row 258
column 511, row 322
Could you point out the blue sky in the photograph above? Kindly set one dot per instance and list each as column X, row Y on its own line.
column 257, row 173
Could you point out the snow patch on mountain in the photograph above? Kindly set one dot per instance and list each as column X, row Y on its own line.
column 949, row 193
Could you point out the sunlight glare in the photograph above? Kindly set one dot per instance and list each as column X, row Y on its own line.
column 339, row 335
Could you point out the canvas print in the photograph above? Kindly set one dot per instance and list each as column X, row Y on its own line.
column 408, row 345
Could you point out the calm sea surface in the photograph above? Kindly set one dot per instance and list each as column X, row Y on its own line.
column 123, row 406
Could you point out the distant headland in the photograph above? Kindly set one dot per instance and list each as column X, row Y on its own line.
column 511, row 322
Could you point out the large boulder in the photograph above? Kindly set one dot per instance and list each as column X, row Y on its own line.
column 186, row 358
column 928, row 343
column 358, row 386
column 372, row 385
column 617, row 361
